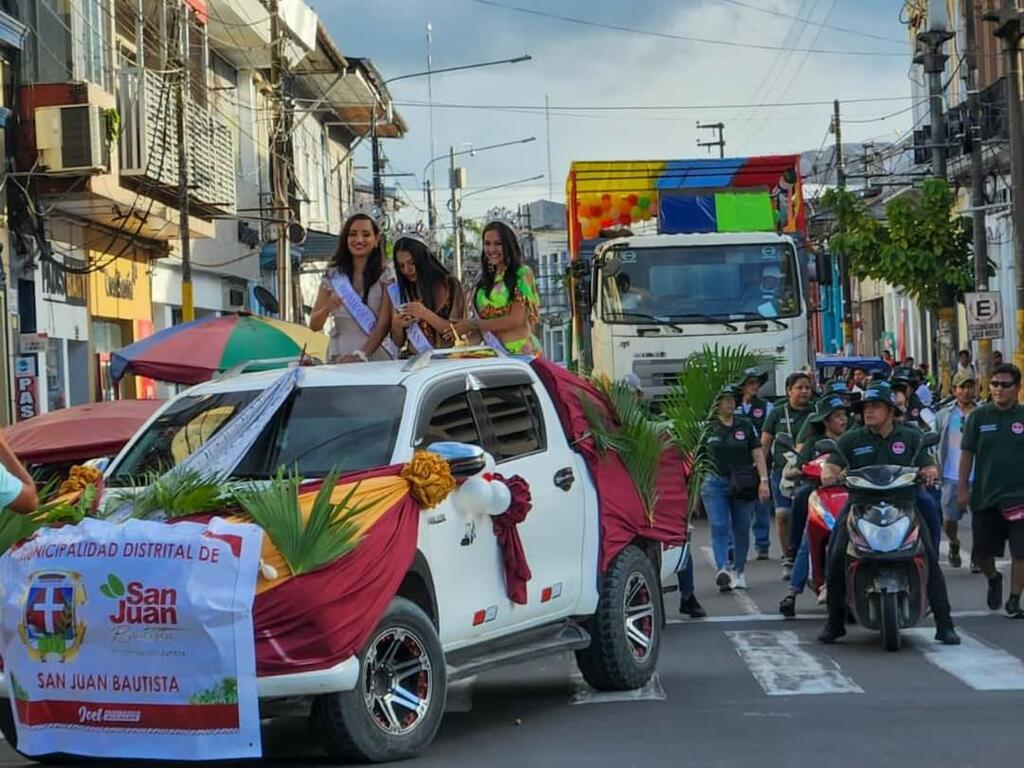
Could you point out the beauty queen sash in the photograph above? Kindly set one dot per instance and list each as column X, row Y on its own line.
column 414, row 333
column 362, row 314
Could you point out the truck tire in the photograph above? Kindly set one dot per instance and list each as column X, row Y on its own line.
column 396, row 708
column 626, row 629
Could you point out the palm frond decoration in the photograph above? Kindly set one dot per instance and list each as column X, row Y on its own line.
column 177, row 494
column 689, row 405
column 637, row 439
column 330, row 532
column 15, row 527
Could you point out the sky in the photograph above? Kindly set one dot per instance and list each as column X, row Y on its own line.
column 591, row 65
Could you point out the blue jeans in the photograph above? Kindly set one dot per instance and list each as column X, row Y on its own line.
column 801, row 566
column 928, row 507
column 762, row 525
column 783, row 506
column 730, row 522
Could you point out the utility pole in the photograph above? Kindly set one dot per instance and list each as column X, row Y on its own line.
column 932, row 59
column 846, row 286
column 431, row 213
column 188, row 312
column 378, row 164
column 279, row 167
column 456, row 180
column 1008, row 23
column 977, row 185
column 720, row 127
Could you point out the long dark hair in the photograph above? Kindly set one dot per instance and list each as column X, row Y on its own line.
column 342, row 260
column 430, row 273
column 512, row 253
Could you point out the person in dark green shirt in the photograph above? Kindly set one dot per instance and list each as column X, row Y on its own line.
column 753, row 407
column 880, row 441
column 786, row 419
column 737, row 459
column 993, row 442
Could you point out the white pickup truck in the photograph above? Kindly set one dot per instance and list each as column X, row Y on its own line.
column 451, row 617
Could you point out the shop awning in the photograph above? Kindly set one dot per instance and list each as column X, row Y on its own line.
column 79, row 433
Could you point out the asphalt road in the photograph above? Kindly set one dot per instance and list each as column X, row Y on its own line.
column 743, row 688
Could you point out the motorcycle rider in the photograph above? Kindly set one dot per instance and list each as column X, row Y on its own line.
column 880, row 441
column 830, row 420
column 904, row 380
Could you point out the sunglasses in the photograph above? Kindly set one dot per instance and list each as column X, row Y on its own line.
column 1002, row 384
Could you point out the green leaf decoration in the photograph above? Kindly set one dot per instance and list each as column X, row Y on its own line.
column 105, row 591
column 15, row 527
column 690, row 404
column 181, row 494
column 637, row 440
column 115, row 584
column 328, row 534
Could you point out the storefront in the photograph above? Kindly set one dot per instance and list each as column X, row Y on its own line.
column 121, row 311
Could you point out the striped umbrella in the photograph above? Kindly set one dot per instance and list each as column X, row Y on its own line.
column 194, row 352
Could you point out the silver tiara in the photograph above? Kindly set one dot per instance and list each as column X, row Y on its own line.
column 418, row 232
column 503, row 216
column 369, row 210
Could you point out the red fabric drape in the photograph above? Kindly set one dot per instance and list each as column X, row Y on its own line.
column 513, row 556
column 621, row 511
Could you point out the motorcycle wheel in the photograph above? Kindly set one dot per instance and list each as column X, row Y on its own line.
column 890, row 621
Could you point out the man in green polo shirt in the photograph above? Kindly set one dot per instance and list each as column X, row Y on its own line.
column 993, row 442
column 880, row 441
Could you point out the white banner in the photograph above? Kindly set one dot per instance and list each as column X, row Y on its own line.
column 133, row 640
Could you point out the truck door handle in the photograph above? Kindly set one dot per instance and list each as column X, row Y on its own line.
column 564, row 478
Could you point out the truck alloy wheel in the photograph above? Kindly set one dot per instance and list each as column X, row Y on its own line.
column 396, row 708
column 626, row 630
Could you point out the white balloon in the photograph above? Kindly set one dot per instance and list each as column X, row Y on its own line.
column 474, row 496
column 501, row 498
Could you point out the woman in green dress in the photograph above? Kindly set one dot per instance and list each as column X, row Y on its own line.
column 506, row 306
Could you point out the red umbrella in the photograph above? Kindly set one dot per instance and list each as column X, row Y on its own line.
column 79, row 433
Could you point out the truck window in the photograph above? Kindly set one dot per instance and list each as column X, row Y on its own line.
column 452, row 421
column 515, row 421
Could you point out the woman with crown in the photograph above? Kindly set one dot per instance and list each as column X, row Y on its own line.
column 354, row 293
column 506, row 306
column 427, row 299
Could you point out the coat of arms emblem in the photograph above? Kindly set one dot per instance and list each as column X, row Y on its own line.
column 51, row 628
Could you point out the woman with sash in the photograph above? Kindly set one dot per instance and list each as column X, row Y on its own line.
column 426, row 298
column 354, row 293
column 506, row 306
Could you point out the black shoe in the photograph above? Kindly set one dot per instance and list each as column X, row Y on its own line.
column 788, row 606
column 831, row 633
column 995, row 591
column 974, row 567
column 945, row 633
column 1013, row 609
column 692, row 608
column 954, row 554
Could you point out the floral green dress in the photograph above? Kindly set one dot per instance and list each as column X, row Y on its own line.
column 498, row 303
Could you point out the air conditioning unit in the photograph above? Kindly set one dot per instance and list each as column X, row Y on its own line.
column 72, row 138
column 234, row 294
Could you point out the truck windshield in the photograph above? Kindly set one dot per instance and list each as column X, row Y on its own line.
column 695, row 283
column 318, row 429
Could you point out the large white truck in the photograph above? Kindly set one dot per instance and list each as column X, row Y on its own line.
column 643, row 303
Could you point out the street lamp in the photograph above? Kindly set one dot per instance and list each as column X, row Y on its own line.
column 378, row 188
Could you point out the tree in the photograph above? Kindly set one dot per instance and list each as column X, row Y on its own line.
column 920, row 247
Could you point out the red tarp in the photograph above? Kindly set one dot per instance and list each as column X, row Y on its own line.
column 621, row 511
column 79, row 433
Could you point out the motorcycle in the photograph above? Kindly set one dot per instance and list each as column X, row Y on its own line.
column 886, row 571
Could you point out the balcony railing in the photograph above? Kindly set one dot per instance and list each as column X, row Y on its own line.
column 149, row 143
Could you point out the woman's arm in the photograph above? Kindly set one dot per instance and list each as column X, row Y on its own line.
column 383, row 326
column 326, row 302
column 764, row 490
column 516, row 318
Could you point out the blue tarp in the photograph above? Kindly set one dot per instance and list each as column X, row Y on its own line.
column 703, row 173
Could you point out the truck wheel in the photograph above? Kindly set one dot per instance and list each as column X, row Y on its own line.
column 626, row 630
column 397, row 706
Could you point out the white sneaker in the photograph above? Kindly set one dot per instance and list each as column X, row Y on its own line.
column 822, row 596
column 739, row 581
column 723, row 580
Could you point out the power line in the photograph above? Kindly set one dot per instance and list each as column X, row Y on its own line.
column 683, row 38
column 823, row 25
column 533, row 109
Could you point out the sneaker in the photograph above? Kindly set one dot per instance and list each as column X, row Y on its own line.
column 945, row 633
column 831, row 633
column 787, row 568
column 762, row 553
column 954, row 554
column 823, row 596
column 995, row 591
column 739, row 581
column 788, row 606
column 724, row 581
column 690, row 607
column 1013, row 609
column 974, row 568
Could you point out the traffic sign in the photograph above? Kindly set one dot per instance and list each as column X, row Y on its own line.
column 984, row 315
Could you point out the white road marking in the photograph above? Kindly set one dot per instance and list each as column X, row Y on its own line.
column 584, row 694
column 783, row 668
column 744, row 618
column 979, row 665
column 745, row 601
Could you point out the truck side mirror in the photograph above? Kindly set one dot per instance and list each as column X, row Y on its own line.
column 823, row 268
column 464, row 459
